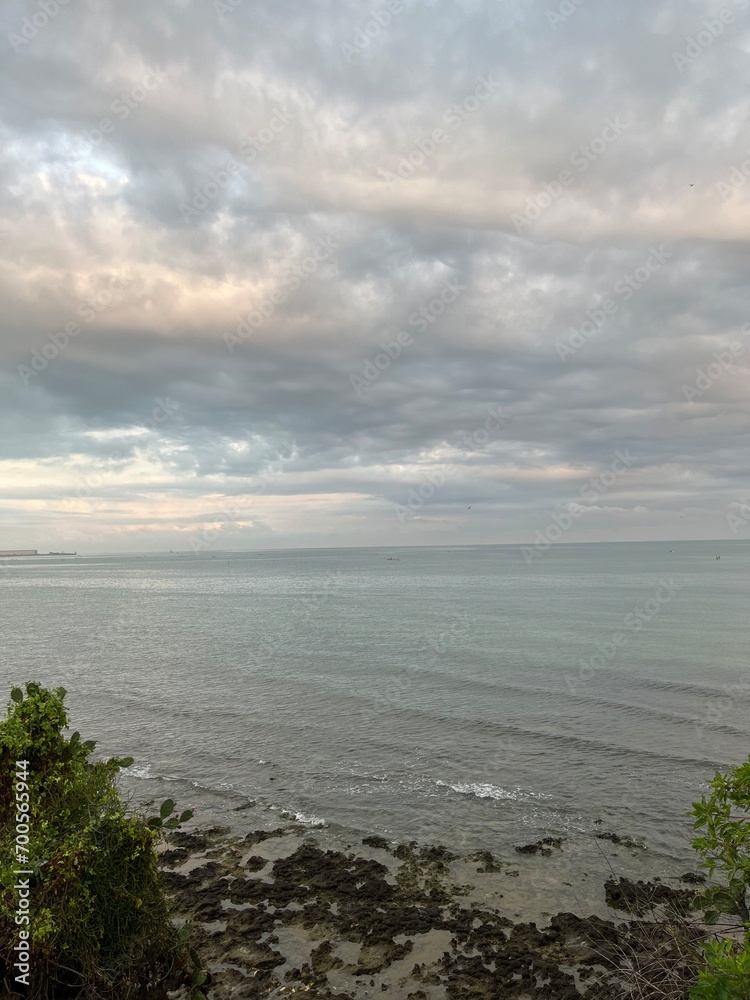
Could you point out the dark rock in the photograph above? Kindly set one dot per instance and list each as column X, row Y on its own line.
column 258, row 836
column 616, row 839
column 640, row 897
column 255, row 863
column 542, row 846
column 378, row 842
column 174, row 857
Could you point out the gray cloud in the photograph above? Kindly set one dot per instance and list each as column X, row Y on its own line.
column 168, row 172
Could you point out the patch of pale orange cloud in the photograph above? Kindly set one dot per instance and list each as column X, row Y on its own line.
column 490, row 201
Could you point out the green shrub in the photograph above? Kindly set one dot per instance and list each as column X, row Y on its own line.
column 727, row 972
column 724, row 845
column 98, row 920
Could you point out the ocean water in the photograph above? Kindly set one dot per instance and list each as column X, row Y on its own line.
column 454, row 695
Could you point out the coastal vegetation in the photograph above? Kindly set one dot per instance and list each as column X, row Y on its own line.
column 83, row 910
column 723, row 819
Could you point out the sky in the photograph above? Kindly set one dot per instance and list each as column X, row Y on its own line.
column 329, row 273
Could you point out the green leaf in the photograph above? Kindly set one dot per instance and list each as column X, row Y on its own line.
column 188, row 814
column 167, row 807
column 171, row 824
column 195, row 958
column 122, row 761
column 17, row 695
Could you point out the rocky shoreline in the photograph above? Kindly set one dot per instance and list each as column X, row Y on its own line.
column 277, row 914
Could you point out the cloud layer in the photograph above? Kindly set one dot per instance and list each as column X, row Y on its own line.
column 323, row 274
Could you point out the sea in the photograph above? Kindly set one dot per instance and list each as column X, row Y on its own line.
column 481, row 697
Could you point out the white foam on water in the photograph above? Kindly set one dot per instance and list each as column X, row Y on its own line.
column 310, row 820
column 484, row 790
column 139, row 771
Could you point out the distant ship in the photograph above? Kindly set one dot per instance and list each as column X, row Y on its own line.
column 62, row 553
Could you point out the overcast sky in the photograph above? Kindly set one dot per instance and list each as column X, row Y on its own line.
column 332, row 273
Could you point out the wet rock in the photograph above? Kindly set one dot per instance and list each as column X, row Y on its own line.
column 174, row 857
column 640, row 897
column 192, row 842
column 258, row 836
column 377, row 842
column 693, row 878
column 332, row 897
column 323, row 959
column 255, row 863
column 616, row 839
column 436, row 854
column 487, row 862
column 543, row 846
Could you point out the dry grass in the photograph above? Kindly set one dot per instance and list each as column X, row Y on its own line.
column 662, row 960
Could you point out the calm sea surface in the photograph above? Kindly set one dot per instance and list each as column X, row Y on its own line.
column 439, row 694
